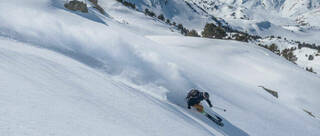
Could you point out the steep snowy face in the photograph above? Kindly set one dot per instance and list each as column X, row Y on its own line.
column 305, row 12
column 170, row 8
column 311, row 18
column 179, row 11
column 294, row 7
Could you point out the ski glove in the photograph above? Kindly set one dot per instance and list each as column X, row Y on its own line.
column 209, row 102
column 189, row 107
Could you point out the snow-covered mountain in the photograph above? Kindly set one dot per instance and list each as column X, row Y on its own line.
column 286, row 18
column 179, row 11
column 296, row 8
column 286, row 8
column 68, row 73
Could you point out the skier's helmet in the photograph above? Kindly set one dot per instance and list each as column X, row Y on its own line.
column 206, row 95
column 194, row 91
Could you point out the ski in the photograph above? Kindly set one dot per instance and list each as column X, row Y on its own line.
column 216, row 120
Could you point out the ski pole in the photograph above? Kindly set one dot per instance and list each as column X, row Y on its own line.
column 219, row 108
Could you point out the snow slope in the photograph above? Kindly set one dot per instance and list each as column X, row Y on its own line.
column 45, row 93
column 70, row 73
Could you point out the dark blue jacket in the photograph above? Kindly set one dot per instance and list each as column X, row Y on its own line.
column 196, row 97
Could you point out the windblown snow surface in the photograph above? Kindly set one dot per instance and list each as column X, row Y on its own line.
column 66, row 73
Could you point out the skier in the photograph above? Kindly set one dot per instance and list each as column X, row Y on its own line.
column 194, row 99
